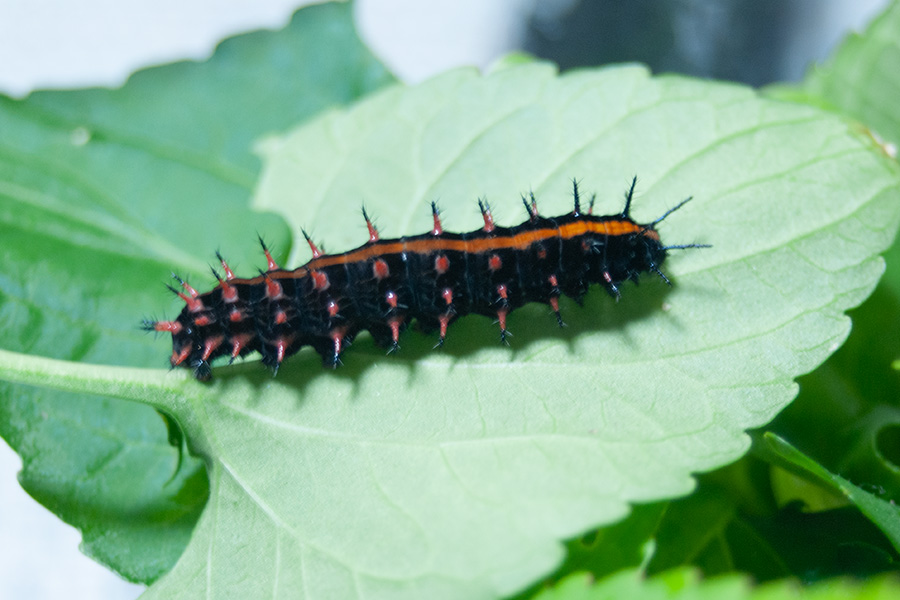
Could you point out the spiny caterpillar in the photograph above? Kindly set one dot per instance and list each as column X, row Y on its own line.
column 433, row 278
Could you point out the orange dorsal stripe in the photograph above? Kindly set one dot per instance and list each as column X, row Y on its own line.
column 519, row 241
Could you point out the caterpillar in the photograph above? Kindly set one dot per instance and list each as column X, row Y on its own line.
column 432, row 278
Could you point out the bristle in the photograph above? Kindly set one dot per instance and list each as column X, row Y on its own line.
column 281, row 346
column 656, row 270
column 210, row 346
column 373, row 232
column 193, row 293
column 179, row 356
column 194, row 304
column 168, row 326
column 628, row 196
column 316, row 253
column 485, row 209
column 685, row 246
column 229, row 274
column 438, row 229
column 274, row 291
column 271, row 265
column 229, row 292
column 577, row 210
column 530, row 207
column 671, row 210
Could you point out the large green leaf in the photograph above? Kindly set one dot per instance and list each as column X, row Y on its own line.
column 455, row 474
column 102, row 194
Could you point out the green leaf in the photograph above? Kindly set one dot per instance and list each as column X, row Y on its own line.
column 695, row 532
column 684, row 584
column 735, row 521
column 625, row 544
column 455, row 474
column 863, row 77
column 102, row 194
column 885, row 514
column 846, row 416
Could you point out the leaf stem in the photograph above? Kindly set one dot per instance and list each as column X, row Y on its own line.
column 166, row 391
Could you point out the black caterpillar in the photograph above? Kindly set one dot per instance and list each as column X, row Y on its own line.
column 433, row 278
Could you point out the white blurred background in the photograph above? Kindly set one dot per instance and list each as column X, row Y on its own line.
column 63, row 44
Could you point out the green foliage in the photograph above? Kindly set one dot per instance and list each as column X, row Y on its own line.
column 454, row 474
column 846, row 416
column 861, row 80
column 734, row 522
column 102, row 194
column 881, row 512
column 684, row 584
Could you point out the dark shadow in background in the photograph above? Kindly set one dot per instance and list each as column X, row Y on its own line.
column 750, row 41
